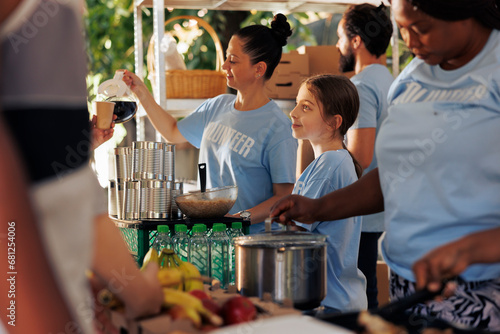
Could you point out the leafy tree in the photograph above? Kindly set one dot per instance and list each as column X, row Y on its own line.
column 110, row 32
column 110, row 38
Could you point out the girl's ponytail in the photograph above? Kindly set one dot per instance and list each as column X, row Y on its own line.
column 357, row 165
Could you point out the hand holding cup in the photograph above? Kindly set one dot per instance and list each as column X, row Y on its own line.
column 100, row 136
column 104, row 111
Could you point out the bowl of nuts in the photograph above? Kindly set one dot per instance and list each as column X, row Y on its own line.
column 213, row 203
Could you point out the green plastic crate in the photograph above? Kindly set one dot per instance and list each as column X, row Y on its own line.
column 135, row 240
column 140, row 235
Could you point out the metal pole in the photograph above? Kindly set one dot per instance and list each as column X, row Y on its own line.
column 158, row 31
column 139, row 67
column 395, row 46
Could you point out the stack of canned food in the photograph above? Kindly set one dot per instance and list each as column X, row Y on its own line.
column 144, row 187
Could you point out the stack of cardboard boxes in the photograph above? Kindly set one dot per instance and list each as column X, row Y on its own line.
column 288, row 75
column 296, row 66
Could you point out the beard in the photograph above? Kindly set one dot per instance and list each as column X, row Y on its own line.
column 347, row 61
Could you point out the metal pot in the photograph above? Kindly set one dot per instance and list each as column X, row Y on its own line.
column 288, row 265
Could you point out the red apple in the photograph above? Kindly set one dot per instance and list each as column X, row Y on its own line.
column 212, row 306
column 200, row 294
column 208, row 328
column 238, row 309
column 180, row 312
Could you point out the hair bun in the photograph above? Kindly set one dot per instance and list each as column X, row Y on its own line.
column 381, row 8
column 281, row 29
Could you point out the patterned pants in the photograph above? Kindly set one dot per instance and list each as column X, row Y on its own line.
column 474, row 304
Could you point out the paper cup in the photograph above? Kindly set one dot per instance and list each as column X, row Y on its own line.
column 104, row 112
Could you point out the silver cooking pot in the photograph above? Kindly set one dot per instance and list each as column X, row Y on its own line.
column 285, row 264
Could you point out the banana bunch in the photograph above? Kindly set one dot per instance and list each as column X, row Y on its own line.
column 174, row 272
column 168, row 275
column 191, row 274
column 193, row 277
column 192, row 306
column 177, row 278
column 171, row 277
column 150, row 257
column 180, row 304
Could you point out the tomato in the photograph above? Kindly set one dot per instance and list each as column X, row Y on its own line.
column 212, row 306
column 238, row 309
column 208, row 328
column 200, row 294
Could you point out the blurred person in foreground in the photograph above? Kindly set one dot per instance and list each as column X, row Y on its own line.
column 43, row 101
column 364, row 34
column 438, row 175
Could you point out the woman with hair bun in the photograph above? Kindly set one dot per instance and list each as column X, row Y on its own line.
column 244, row 138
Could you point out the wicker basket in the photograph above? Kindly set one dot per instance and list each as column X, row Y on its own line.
column 194, row 84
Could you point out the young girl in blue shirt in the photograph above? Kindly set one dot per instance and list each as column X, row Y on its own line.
column 327, row 105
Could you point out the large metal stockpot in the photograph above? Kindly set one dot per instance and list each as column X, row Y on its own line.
column 285, row 264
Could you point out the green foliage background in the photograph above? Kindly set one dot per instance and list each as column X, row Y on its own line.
column 110, row 36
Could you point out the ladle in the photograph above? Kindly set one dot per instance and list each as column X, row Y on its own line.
column 202, row 170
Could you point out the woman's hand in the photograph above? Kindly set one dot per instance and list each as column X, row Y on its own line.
column 162, row 121
column 135, row 83
column 295, row 207
column 453, row 258
column 100, row 136
column 360, row 198
column 439, row 264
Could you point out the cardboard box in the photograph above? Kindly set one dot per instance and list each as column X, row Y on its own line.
column 382, row 283
column 323, row 59
column 284, row 86
column 288, row 75
column 292, row 62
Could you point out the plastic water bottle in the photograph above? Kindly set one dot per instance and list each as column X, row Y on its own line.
column 219, row 254
column 163, row 239
column 235, row 231
column 180, row 241
column 198, row 249
column 190, row 232
column 209, row 232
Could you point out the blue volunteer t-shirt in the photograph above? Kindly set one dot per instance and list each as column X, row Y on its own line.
column 331, row 171
column 252, row 149
column 439, row 159
column 373, row 85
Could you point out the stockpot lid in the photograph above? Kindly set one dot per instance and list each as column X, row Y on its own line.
column 280, row 239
